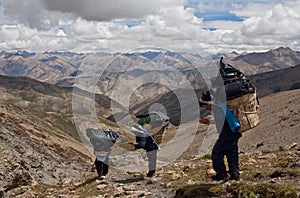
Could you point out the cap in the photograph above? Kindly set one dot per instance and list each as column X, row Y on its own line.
column 205, row 98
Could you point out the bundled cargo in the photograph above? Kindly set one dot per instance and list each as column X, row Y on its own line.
column 241, row 96
column 245, row 108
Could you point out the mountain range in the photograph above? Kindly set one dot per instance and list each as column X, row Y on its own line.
column 53, row 67
column 44, row 82
column 39, row 142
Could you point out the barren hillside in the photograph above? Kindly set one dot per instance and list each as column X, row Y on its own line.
column 279, row 125
column 43, row 156
column 40, row 146
column 41, row 160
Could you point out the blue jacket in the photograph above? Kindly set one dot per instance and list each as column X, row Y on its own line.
column 222, row 125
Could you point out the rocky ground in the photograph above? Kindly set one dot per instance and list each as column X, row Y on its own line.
column 265, row 174
column 39, row 161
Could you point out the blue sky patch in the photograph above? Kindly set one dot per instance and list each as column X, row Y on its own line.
column 213, row 16
column 209, row 28
column 129, row 23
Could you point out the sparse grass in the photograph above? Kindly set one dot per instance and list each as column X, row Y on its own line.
column 274, row 177
column 238, row 189
column 82, row 190
column 192, row 171
column 88, row 189
column 206, row 157
column 245, row 189
column 199, row 191
column 43, row 189
column 191, row 180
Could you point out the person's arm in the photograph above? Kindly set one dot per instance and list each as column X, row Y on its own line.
column 207, row 121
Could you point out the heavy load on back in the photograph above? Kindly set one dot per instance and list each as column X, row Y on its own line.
column 241, row 96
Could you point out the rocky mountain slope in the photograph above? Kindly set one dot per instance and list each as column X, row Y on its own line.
column 63, row 68
column 37, row 148
column 43, row 155
column 276, row 81
column 259, row 62
column 41, row 160
column 44, row 97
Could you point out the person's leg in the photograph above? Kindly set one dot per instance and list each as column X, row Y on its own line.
column 218, row 159
column 233, row 160
column 99, row 167
column 151, row 155
column 105, row 166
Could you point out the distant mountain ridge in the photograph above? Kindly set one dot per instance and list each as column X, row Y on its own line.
column 280, row 56
column 53, row 67
column 254, row 63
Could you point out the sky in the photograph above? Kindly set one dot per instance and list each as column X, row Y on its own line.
column 126, row 25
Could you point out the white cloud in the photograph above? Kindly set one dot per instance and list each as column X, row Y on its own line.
column 279, row 22
column 252, row 9
column 149, row 37
column 213, row 6
column 30, row 13
column 224, row 25
column 106, row 10
column 176, row 17
column 267, row 26
column 92, row 25
column 44, row 14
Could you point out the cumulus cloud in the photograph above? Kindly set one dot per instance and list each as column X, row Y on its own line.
column 280, row 21
column 20, row 37
column 106, row 10
column 152, row 37
column 94, row 25
column 97, row 36
column 252, row 9
column 39, row 13
column 30, row 13
column 44, row 14
column 266, row 26
column 178, row 17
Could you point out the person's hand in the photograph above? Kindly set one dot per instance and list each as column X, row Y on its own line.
column 204, row 121
column 132, row 143
column 207, row 121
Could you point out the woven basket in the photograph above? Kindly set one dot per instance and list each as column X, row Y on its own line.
column 245, row 108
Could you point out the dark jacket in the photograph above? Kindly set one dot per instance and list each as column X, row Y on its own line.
column 222, row 125
column 145, row 141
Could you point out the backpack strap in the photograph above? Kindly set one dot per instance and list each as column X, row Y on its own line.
column 230, row 117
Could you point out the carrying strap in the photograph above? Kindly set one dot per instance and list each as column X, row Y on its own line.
column 249, row 112
column 230, row 117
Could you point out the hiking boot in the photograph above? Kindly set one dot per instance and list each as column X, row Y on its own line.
column 220, row 177
column 151, row 173
column 101, row 177
column 236, row 177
